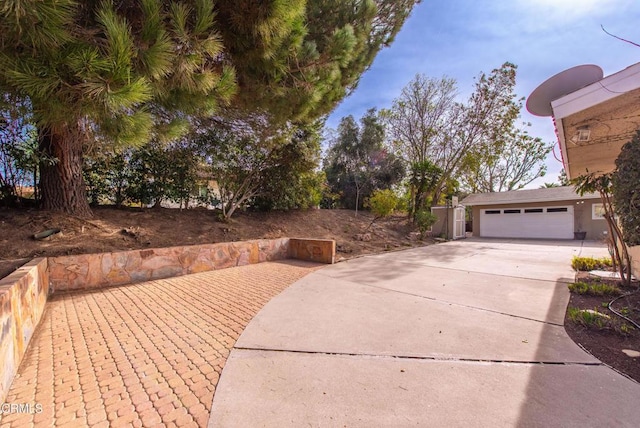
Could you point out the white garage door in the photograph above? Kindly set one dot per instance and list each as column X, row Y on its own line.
column 544, row 222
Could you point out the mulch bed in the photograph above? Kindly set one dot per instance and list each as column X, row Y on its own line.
column 607, row 344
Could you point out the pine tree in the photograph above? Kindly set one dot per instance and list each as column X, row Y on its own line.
column 121, row 72
column 306, row 67
column 127, row 72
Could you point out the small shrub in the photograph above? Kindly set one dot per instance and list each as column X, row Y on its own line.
column 579, row 287
column 424, row 220
column 589, row 318
column 590, row 263
column 382, row 203
column 624, row 329
column 594, row 289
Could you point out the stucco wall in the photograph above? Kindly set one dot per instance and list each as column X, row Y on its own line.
column 582, row 215
column 596, row 229
column 23, row 296
column 439, row 228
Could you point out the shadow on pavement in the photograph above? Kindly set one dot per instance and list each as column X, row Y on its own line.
column 567, row 395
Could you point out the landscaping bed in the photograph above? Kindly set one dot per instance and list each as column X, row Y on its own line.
column 593, row 325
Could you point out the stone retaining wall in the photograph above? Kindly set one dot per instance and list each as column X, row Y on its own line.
column 313, row 250
column 88, row 271
column 23, row 295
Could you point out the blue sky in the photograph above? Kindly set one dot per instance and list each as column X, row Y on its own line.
column 461, row 38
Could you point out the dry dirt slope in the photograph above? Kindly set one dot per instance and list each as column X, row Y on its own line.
column 124, row 229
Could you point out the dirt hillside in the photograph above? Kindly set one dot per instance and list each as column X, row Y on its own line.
column 126, row 229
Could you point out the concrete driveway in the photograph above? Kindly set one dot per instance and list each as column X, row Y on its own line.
column 467, row 333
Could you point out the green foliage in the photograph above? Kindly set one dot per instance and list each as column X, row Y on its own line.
column 121, row 72
column 290, row 181
column 358, row 163
column 509, row 163
column 595, row 320
column 562, row 178
column 297, row 59
column 602, row 183
column 148, row 175
column 424, row 179
column 594, row 289
column 504, row 156
column 107, row 176
column 588, row 318
column 20, row 156
column 424, row 219
column 134, row 72
column 382, row 202
column 590, row 263
column 626, row 190
column 420, row 125
column 256, row 166
column 476, row 142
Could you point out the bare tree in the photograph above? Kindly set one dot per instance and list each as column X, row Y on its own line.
column 426, row 123
column 508, row 164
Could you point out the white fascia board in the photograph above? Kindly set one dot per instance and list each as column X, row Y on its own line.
column 603, row 90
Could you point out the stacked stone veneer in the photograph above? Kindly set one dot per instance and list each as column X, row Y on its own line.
column 23, row 296
column 106, row 269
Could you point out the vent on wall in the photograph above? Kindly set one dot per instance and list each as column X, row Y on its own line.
column 582, row 135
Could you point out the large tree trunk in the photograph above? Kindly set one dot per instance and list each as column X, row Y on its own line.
column 62, row 184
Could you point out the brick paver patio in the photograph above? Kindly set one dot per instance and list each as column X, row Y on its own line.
column 141, row 355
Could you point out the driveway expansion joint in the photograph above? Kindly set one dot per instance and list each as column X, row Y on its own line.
column 446, row 302
column 422, row 265
column 421, row 358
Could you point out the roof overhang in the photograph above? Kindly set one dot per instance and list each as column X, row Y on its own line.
column 539, row 196
column 594, row 122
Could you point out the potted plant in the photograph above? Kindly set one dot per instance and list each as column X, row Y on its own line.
column 579, row 234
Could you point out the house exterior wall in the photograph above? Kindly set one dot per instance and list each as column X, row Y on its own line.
column 582, row 215
column 596, row 229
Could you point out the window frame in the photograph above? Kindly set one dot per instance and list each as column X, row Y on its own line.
column 594, row 208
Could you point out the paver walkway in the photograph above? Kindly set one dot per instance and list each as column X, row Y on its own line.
column 141, row 355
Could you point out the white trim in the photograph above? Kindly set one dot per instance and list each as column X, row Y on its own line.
column 459, row 223
column 603, row 90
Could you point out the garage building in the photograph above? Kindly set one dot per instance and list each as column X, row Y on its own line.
column 550, row 213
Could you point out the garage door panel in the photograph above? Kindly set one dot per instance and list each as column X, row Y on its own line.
column 545, row 224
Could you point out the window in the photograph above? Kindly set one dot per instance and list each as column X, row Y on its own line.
column 533, row 210
column 557, row 210
column 597, row 212
column 492, row 211
column 512, row 211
